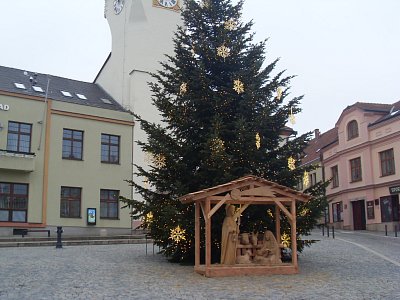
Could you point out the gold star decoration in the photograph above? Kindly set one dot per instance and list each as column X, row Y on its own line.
column 177, row 234
column 279, row 93
column 306, row 180
column 291, row 163
column 292, row 118
column 269, row 213
column 304, row 212
column 285, row 240
column 230, row 25
column 258, row 141
column 158, row 159
column 148, row 218
column 183, row 88
column 238, row 86
column 223, row 51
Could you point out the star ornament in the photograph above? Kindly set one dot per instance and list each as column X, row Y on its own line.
column 230, row 25
column 238, row 86
column 291, row 163
column 223, row 51
column 183, row 89
column 177, row 234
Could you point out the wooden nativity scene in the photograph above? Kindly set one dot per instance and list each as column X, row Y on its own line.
column 244, row 253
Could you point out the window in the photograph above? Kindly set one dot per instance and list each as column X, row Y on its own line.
column 387, row 162
column 70, row 202
column 19, row 137
column 335, row 176
column 81, row 96
column 109, row 204
column 13, row 202
column 352, row 130
column 66, row 94
column 312, row 178
column 355, row 168
column 109, row 148
column 72, row 144
column 337, row 211
column 38, row 89
column 390, row 208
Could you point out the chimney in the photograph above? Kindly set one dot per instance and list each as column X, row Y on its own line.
column 316, row 133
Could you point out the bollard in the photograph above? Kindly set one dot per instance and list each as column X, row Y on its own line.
column 333, row 232
column 395, row 230
column 385, row 230
column 146, row 243
column 327, row 231
column 59, row 232
column 323, row 230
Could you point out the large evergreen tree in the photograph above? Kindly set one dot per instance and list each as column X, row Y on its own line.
column 222, row 114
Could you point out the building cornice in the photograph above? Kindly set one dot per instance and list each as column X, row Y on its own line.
column 365, row 187
column 91, row 117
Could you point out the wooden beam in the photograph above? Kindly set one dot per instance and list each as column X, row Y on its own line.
column 197, row 234
column 294, row 235
column 202, row 209
column 278, row 223
column 208, row 236
column 218, row 205
column 243, row 199
column 285, row 211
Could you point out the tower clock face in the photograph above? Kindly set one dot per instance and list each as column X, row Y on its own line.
column 168, row 3
column 118, row 6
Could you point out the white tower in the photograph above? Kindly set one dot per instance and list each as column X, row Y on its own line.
column 142, row 32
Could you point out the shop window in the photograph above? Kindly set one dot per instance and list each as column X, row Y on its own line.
column 13, row 202
column 387, row 162
column 335, row 176
column 355, row 168
column 370, row 210
column 72, row 147
column 390, row 208
column 19, row 137
column 110, row 148
column 109, row 204
column 70, row 202
column 352, row 130
column 337, row 209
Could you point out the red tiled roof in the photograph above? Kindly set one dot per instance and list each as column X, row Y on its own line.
column 312, row 151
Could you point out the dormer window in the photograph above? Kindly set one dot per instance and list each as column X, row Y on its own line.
column 352, row 130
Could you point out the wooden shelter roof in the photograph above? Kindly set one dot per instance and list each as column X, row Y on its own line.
column 249, row 189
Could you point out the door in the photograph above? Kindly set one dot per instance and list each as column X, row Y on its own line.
column 359, row 215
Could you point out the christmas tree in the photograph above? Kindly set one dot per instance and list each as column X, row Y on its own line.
column 223, row 111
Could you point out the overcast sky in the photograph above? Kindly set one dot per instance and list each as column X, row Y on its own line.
column 342, row 51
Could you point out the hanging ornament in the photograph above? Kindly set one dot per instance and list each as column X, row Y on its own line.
column 238, row 86
column 258, row 141
column 177, row 234
column 146, row 183
column 230, row 25
column 292, row 118
column 279, row 93
column 223, row 51
column 306, row 180
column 291, row 163
column 159, row 161
column 183, row 88
column 304, row 212
column 148, row 218
column 269, row 213
column 205, row 3
column 285, row 240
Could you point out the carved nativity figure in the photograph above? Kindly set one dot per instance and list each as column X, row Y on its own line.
column 229, row 236
column 269, row 252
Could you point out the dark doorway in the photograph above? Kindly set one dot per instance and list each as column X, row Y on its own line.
column 359, row 215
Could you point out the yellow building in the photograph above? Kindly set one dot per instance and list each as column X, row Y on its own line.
column 65, row 147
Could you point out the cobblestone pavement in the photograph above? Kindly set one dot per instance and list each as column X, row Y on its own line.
column 330, row 269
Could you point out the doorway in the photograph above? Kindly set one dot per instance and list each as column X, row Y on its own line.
column 359, row 221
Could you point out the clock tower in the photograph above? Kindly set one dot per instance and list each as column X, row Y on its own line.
column 142, row 32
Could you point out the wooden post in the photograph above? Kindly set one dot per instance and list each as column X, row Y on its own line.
column 197, row 234
column 294, row 236
column 278, row 224
column 208, row 237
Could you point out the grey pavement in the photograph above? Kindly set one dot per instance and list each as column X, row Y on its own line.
column 344, row 268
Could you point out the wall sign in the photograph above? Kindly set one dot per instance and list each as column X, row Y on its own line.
column 4, row 107
column 394, row 189
column 91, row 216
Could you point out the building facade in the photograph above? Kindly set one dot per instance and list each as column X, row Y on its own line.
column 363, row 165
column 65, row 153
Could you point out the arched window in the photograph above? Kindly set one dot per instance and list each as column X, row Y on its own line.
column 352, row 130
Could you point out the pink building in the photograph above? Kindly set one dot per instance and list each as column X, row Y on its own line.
column 362, row 161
